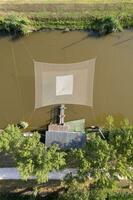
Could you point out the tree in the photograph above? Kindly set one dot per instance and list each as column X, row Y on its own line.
column 74, row 191
column 107, row 159
column 121, row 142
column 32, row 157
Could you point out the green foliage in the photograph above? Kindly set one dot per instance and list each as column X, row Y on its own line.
column 95, row 195
column 120, row 196
column 32, row 157
column 97, row 22
column 121, row 142
column 17, row 25
column 105, row 24
column 100, row 24
column 98, row 194
column 82, row 162
column 107, row 159
column 10, row 139
column 95, row 158
column 109, row 124
column 75, row 192
column 75, row 189
column 103, row 194
column 126, row 20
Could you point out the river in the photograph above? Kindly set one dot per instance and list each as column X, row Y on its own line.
column 113, row 80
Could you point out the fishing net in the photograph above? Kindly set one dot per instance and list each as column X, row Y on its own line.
column 64, row 83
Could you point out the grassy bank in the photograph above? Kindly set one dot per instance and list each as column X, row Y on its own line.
column 97, row 23
column 23, row 17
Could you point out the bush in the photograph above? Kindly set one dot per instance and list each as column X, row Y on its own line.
column 101, row 24
column 105, row 25
column 98, row 194
column 15, row 25
column 75, row 192
column 95, row 195
column 126, row 20
column 120, row 196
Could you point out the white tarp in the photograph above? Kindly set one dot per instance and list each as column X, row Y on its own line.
column 64, row 83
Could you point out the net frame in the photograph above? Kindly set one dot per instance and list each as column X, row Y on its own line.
column 46, row 86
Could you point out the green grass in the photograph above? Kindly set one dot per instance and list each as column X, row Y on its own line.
column 101, row 24
column 103, row 17
column 64, row 1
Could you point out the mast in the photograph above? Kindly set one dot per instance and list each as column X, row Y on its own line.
column 62, row 114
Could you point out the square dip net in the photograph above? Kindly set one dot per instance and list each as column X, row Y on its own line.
column 64, row 83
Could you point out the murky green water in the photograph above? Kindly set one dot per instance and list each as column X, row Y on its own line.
column 113, row 83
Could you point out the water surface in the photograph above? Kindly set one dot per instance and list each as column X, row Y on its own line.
column 113, row 83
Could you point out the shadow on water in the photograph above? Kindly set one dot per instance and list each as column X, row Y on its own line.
column 121, row 42
column 11, row 37
column 76, row 42
column 4, row 35
column 16, row 36
column 91, row 34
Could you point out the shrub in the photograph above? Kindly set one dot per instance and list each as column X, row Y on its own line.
column 98, row 23
column 105, row 24
column 98, row 194
column 75, row 192
column 126, row 20
column 15, row 25
column 32, row 157
column 120, row 196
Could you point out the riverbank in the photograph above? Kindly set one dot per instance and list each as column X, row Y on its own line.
column 102, row 18
column 100, row 24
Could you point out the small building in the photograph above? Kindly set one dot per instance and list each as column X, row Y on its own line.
column 60, row 134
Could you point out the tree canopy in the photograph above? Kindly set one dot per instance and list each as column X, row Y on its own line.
column 104, row 160
column 32, row 157
column 109, row 158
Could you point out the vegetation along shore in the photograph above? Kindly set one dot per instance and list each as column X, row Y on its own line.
column 100, row 18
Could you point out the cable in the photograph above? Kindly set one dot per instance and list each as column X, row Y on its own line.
column 16, row 75
column 28, row 51
column 32, row 59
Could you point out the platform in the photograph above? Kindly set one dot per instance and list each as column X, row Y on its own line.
column 65, row 139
